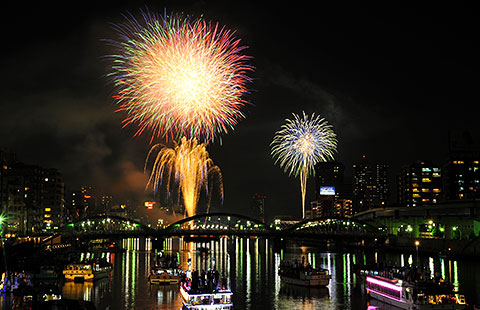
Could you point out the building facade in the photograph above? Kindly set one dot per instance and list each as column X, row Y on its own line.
column 370, row 186
column 419, row 183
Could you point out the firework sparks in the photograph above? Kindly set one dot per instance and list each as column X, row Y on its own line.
column 189, row 165
column 300, row 144
column 179, row 77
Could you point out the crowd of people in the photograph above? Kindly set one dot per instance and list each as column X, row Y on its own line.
column 204, row 282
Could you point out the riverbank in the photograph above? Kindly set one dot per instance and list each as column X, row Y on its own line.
column 442, row 247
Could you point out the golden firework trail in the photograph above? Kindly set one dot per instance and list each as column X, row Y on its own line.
column 188, row 165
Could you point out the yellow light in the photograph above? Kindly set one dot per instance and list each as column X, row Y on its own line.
column 48, row 209
column 417, row 243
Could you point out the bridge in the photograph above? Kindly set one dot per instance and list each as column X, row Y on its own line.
column 222, row 224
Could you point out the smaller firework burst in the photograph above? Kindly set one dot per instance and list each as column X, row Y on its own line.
column 300, row 144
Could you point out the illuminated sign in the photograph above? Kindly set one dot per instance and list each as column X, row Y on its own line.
column 149, row 204
column 327, row 190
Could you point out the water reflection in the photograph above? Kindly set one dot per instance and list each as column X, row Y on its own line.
column 252, row 268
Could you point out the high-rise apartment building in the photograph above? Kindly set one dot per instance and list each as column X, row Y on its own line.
column 258, row 205
column 462, row 168
column 419, row 183
column 370, row 186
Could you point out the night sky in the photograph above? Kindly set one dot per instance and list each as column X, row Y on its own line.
column 392, row 80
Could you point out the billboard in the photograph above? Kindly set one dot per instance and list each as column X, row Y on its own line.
column 327, row 190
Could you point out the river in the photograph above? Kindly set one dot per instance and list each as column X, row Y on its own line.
column 251, row 265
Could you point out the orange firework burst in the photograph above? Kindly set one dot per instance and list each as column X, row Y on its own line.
column 179, row 77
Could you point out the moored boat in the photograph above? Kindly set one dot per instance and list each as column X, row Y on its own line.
column 87, row 271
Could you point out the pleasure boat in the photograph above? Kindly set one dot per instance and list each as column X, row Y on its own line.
column 201, row 294
column 87, row 271
column 414, row 295
column 303, row 275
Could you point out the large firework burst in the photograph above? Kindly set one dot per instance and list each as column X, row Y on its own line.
column 300, row 144
column 189, row 166
column 179, row 77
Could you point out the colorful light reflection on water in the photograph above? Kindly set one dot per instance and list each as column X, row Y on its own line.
column 251, row 265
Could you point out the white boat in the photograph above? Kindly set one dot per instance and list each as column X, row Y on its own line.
column 87, row 271
column 412, row 296
column 304, row 276
column 202, row 300
column 205, row 291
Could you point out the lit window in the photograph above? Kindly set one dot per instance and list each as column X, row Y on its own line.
column 48, row 209
column 425, row 190
column 426, row 180
column 436, row 190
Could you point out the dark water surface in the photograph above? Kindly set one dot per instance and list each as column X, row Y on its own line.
column 251, row 265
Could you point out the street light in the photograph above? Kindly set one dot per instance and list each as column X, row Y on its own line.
column 417, row 244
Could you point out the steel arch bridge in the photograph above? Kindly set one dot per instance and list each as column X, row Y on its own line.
column 107, row 226
column 218, row 224
column 222, row 224
column 335, row 227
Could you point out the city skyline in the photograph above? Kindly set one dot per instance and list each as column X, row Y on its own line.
column 372, row 72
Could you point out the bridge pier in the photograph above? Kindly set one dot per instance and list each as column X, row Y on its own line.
column 157, row 244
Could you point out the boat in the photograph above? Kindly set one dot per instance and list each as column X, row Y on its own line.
column 87, row 271
column 303, row 275
column 46, row 273
column 210, row 293
column 165, row 270
column 164, row 276
column 424, row 295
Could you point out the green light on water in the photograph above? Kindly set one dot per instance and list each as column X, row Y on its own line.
column 442, row 267
column 455, row 274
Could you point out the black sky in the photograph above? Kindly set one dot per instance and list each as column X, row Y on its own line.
column 392, row 79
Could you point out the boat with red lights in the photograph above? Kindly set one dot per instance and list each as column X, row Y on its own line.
column 409, row 295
